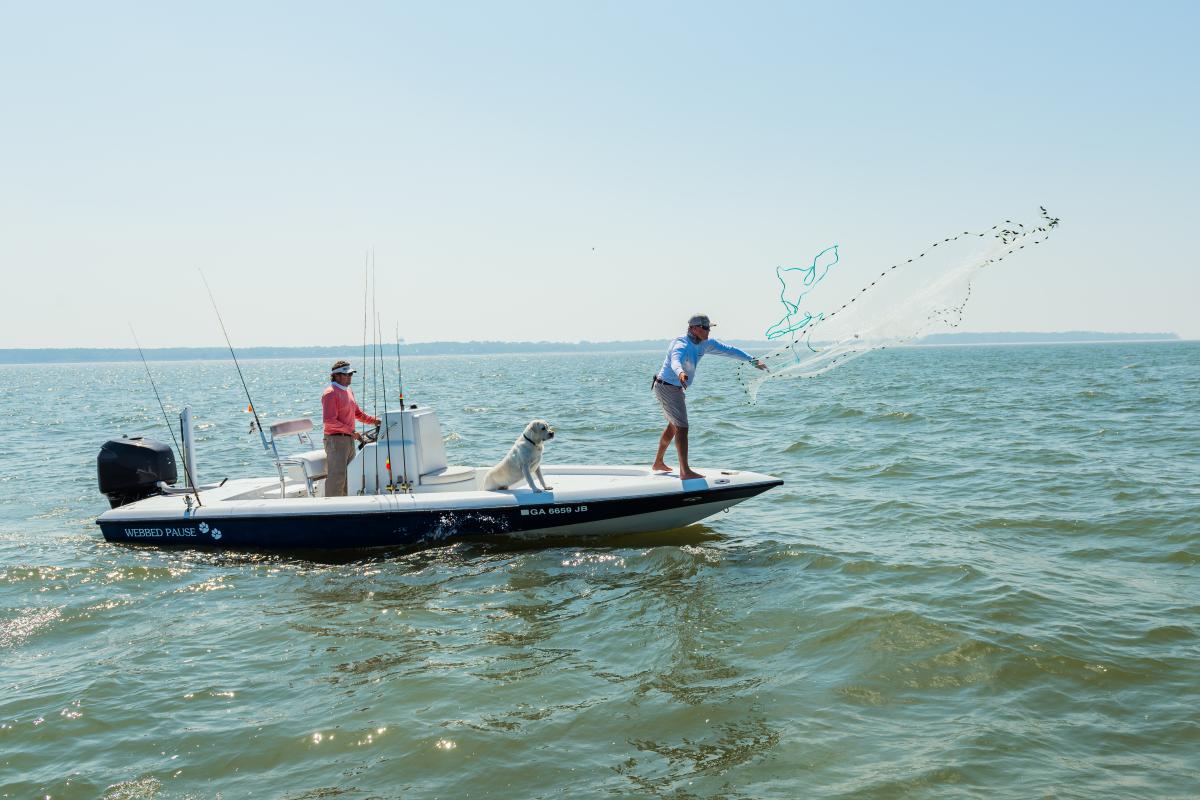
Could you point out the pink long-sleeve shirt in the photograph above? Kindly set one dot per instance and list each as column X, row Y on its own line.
column 339, row 410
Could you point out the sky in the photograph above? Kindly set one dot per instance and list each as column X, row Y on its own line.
column 571, row 171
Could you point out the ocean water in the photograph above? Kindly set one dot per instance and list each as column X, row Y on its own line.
column 980, row 580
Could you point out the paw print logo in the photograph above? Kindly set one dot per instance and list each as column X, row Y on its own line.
column 216, row 533
column 204, row 527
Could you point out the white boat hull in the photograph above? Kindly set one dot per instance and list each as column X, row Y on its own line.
column 584, row 501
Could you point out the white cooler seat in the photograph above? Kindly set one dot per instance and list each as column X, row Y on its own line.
column 445, row 475
column 313, row 463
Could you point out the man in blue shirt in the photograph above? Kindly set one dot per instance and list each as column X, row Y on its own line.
column 677, row 374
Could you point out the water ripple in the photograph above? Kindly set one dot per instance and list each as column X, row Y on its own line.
column 978, row 581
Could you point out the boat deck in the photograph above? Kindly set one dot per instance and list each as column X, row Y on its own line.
column 568, row 484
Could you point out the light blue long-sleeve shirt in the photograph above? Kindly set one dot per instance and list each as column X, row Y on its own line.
column 684, row 354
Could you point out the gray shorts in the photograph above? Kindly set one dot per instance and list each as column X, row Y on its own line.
column 674, row 407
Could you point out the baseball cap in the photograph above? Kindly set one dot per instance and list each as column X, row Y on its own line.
column 701, row 320
column 341, row 368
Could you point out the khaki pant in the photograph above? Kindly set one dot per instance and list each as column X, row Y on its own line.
column 339, row 452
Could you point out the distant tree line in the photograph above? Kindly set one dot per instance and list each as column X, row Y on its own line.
column 63, row 355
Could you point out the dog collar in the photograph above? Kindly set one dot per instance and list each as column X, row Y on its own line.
column 531, row 441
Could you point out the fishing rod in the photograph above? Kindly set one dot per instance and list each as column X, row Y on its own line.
column 400, row 380
column 257, row 421
column 187, row 473
column 374, row 349
column 388, row 431
column 363, row 483
column 375, row 337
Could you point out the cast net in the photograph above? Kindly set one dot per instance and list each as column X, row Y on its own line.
column 905, row 301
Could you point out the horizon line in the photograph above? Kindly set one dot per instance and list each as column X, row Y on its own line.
column 1163, row 335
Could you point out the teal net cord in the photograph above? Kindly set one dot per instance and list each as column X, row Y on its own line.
column 810, row 276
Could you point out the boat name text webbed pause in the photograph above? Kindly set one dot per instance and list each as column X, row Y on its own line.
column 161, row 533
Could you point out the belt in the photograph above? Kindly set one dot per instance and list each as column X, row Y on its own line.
column 337, row 434
column 664, row 383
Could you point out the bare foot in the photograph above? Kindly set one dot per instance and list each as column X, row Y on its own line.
column 660, row 466
column 687, row 476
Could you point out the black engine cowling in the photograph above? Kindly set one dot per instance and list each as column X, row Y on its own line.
column 130, row 469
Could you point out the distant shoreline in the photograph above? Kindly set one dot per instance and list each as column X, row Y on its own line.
column 87, row 355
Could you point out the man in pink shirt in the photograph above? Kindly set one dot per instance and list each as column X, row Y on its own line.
column 340, row 410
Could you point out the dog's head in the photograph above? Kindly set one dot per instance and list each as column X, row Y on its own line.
column 539, row 431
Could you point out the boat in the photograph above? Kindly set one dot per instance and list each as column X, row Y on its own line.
column 402, row 494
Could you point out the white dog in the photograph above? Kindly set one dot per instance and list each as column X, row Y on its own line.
column 523, row 460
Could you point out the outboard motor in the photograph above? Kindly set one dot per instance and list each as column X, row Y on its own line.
column 130, row 469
